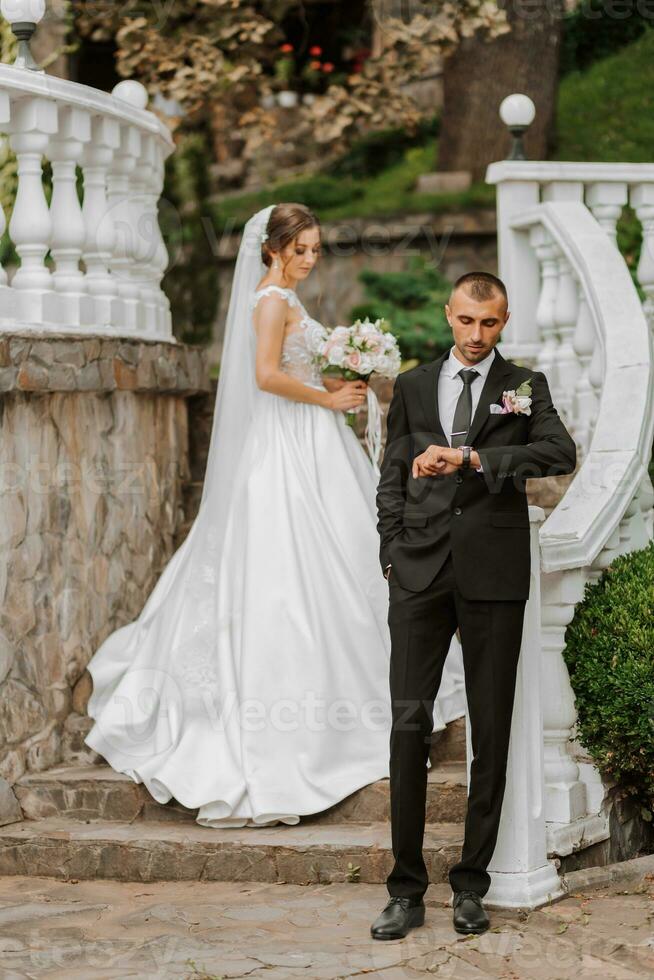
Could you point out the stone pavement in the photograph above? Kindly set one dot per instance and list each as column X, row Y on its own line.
column 205, row 930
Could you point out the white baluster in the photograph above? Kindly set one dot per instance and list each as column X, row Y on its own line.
column 144, row 271
column 609, row 552
column 121, row 199
column 99, row 223
column 68, row 228
column 585, row 399
column 642, row 201
column 565, row 315
column 7, row 305
column 543, row 245
column 607, row 200
column 631, row 528
column 565, row 794
column 596, row 377
column 32, row 123
column 646, row 499
column 160, row 263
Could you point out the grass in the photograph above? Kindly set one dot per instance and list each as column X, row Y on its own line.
column 385, row 194
column 606, row 113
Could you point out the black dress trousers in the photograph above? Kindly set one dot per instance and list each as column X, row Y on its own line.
column 422, row 625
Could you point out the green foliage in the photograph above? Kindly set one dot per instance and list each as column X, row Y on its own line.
column 377, row 151
column 591, row 33
column 607, row 112
column 384, row 194
column 412, row 302
column 610, row 656
column 191, row 282
column 320, row 191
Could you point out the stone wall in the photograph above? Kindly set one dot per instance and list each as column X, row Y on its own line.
column 94, row 467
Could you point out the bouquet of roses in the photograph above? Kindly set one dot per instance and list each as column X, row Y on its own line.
column 354, row 353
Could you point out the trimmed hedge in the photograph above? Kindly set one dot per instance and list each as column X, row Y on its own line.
column 412, row 302
column 610, row 656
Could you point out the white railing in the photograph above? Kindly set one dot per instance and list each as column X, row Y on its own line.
column 108, row 254
column 577, row 316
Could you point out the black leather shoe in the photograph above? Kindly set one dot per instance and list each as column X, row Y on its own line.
column 469, row 912
column 400, row 915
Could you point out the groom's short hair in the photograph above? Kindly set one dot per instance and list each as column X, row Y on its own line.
column 481, row 286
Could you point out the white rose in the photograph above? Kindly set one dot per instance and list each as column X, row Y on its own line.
column 336, row 355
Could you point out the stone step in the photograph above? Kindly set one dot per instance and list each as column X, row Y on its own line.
column 97, row 792
column 156, row 851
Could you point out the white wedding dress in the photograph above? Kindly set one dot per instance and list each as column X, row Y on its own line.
column 254, row 684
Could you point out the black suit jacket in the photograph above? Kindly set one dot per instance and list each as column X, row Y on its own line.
column 482, row 518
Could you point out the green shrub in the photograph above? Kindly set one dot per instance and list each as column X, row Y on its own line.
column 377, row 151
column 604, row 113
column 413, row 303
column 591, row 33
column 318, row 192
column 610, row 656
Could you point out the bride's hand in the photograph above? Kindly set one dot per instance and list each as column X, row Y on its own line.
column 352, row 394
column 333, row 384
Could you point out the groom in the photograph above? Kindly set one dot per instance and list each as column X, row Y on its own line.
column 455, row 547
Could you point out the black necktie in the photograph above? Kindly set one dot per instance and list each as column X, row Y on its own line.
column 463, row 413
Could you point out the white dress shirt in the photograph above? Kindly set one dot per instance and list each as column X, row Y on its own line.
column 450, row 388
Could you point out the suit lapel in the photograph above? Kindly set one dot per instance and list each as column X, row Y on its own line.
column 494, row 385
column 428, row 390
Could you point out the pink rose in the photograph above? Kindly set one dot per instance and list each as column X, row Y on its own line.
column 507, row 407
column 353, row 361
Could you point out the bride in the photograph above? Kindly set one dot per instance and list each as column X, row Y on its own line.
column 254, row 684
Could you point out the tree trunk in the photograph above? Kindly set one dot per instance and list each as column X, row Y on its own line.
column 481, row 73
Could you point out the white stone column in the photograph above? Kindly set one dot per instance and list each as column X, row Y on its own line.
column 521, row 874
column 518, row 266
column 565, row 796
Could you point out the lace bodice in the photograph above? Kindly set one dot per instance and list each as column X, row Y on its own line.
column 296, row 359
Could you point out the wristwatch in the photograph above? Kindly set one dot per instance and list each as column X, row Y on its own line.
column 466, row 450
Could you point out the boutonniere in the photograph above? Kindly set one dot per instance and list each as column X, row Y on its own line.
column 516, row 402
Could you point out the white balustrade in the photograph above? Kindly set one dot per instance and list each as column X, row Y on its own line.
column 580, row 320
column 94, row 267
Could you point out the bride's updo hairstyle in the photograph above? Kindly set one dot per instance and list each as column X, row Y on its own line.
column 285, row 223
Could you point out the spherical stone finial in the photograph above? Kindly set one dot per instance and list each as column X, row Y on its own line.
column 23, row 11
column 131, row 91
column 517, row 110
